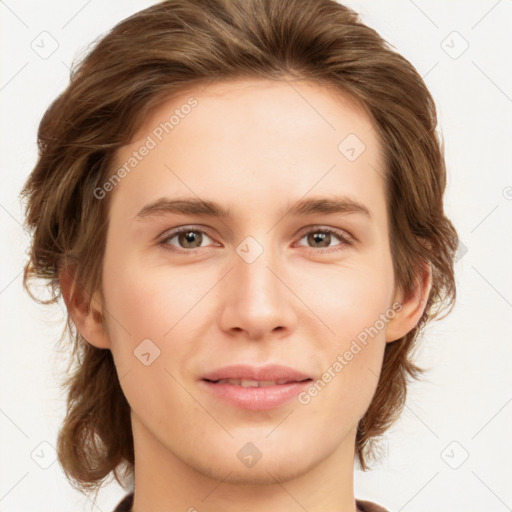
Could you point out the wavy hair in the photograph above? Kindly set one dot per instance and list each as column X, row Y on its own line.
column 163, row 50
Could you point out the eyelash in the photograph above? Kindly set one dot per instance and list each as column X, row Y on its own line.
column 344, row 239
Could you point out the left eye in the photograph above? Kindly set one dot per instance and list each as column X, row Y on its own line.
column 324, row 237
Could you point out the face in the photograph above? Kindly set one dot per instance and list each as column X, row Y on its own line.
column 294, row 273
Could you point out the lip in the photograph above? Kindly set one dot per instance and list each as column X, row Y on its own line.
column 256, row 398
column 267, row 372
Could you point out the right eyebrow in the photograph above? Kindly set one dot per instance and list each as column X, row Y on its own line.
column 186, row 206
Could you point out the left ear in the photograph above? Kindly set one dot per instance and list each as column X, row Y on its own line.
column 409, row 315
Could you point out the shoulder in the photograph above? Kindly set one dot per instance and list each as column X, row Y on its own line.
column 125, row 505
column 369, row 506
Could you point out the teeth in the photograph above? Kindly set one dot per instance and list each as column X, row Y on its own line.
column 264, row 383
column 249, row 383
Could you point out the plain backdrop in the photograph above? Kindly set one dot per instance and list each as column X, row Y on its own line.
column 451, row 449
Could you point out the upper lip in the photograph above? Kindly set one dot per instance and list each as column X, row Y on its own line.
column 259, row 373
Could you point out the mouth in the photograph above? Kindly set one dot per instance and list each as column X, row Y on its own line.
column 255, row 388
column 270, row 374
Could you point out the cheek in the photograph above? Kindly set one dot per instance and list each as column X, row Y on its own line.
column 145, row 300
column 133, row 309
column 352, row 298
column 151, row 302
column 143, row 306
column 356, row 305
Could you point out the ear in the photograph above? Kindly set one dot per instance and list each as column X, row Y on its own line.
column 85, row 311
column 412, row 309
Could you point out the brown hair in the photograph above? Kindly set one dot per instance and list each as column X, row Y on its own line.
column 167, row 49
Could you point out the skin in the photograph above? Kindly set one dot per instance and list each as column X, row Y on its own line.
column 255, row 147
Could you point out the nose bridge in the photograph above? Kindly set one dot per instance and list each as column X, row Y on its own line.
column 257, row 301
column 256, row 258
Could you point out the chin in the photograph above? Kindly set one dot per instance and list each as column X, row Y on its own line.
column 265, row 472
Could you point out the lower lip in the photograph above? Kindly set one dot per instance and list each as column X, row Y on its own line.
column 256, row 399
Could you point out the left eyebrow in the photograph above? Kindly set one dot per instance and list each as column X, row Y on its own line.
column 336, row 204
column 195, row 206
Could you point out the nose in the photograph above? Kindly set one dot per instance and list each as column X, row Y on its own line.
column 256, row 301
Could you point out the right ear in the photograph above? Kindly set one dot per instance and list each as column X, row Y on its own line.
column 85, row 311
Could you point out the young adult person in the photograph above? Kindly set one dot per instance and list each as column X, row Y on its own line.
column 241, row 204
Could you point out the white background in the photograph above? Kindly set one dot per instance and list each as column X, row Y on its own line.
column 462, row 409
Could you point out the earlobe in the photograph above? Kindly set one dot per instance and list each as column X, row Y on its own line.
column 85, row 311
column 412, row 308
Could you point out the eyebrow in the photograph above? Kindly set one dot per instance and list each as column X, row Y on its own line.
column 304, row 207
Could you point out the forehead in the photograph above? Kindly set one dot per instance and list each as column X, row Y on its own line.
column 252, row 140
column 259, row 106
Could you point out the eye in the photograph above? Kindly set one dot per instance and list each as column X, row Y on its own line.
column 321, row 238
column 188, row 238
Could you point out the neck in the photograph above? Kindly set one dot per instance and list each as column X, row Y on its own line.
column 166, row 483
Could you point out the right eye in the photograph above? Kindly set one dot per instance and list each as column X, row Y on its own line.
column 188, row 239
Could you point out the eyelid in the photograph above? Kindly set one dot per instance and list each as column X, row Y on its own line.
column 343, row 233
